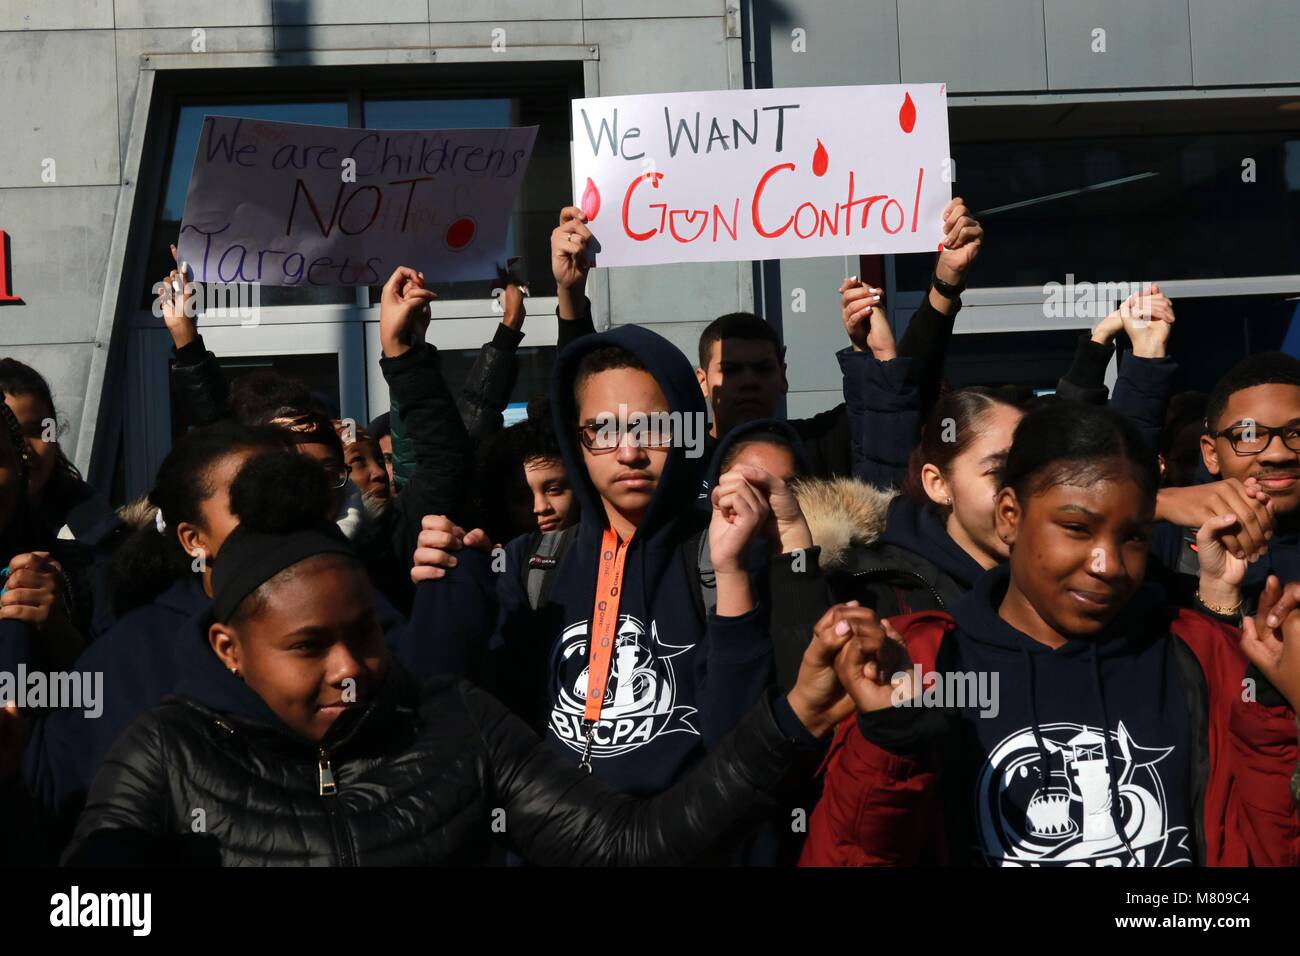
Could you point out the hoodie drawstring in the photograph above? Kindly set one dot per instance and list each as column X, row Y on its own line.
column 1115, row 804
column 1044, row 760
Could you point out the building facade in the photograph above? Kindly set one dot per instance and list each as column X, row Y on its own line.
column 1100, row 141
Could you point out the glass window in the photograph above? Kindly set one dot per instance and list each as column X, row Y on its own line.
column 1129, row 192
column 176, row 183
column 1211, row 335
column 1029, row 361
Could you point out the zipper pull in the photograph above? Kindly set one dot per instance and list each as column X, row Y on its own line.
column 327, row 786
column 585, row 763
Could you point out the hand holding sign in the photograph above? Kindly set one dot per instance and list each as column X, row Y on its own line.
column 865, row 320
column 961, row 242
column 403, row 311
column 569, row 259
column 175, row 292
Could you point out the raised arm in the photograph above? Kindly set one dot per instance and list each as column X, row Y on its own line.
column 442, row 479
column 197, row 382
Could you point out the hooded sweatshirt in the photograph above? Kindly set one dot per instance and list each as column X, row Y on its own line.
column 1080, row 755
column 677, row 679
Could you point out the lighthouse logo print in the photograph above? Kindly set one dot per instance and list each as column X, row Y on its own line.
column 640, row 697
column 1054, row 808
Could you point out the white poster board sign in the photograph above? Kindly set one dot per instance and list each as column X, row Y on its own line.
column 290, row 204
column 763, row 174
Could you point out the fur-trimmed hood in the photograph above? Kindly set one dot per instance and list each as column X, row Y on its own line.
column 842, row 512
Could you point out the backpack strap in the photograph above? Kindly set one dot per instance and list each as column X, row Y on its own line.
column 702, row 578
column 546, row 550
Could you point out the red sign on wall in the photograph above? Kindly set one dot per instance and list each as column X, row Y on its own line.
column 6, row 292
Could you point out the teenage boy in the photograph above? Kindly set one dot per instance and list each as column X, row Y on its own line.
column 615, row 655
column 1251, row 444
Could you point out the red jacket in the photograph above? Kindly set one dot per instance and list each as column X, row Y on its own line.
column 883, row 809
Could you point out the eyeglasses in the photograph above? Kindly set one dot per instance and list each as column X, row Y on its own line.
column 1251, row 438
column 604, row 438
column 337, row 474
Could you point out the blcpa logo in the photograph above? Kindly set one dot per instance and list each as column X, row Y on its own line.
column 1065, row 817
column 640, row 697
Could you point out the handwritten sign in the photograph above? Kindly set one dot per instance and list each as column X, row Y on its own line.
column 292, row 205
column 763, row 174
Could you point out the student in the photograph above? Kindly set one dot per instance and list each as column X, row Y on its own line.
column 54, row 486
column 382, row 431
column 939, row 535
column 35, row 625
column 1064, row 715
column 304, row 743
column 76, row 525
column 1251, row 443
column 163, row 577
column 524, row 488
column 365, row 464
column 636, row 486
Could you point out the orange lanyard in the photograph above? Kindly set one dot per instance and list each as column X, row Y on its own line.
column 603, row 632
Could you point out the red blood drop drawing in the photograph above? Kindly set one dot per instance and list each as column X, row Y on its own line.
column 461, row 232
column 590, row 200
column 820, row 160
column 907, row 113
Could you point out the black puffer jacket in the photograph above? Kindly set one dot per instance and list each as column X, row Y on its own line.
column 423, row 777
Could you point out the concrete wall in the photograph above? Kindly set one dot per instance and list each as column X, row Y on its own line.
column 69, row 71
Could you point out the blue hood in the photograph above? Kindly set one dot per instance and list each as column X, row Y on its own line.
column 673, row 373
column 918, row 529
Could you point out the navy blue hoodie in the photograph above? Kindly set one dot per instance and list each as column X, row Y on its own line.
column 916, row 528
column 1080, row 755
column 677, row 682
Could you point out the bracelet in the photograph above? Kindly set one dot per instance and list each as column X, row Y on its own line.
column 1217, row 609
column 945, row 289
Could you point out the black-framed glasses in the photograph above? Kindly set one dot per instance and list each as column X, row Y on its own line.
column 600, row 439
column 1251, row 438
column 338, row 475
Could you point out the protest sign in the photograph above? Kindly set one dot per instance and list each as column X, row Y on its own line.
column 290, row 204
column 762, row 174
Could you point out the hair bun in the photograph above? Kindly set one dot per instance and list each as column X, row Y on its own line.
column 280, row 491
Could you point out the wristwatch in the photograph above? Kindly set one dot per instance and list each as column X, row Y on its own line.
column 945, row 289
